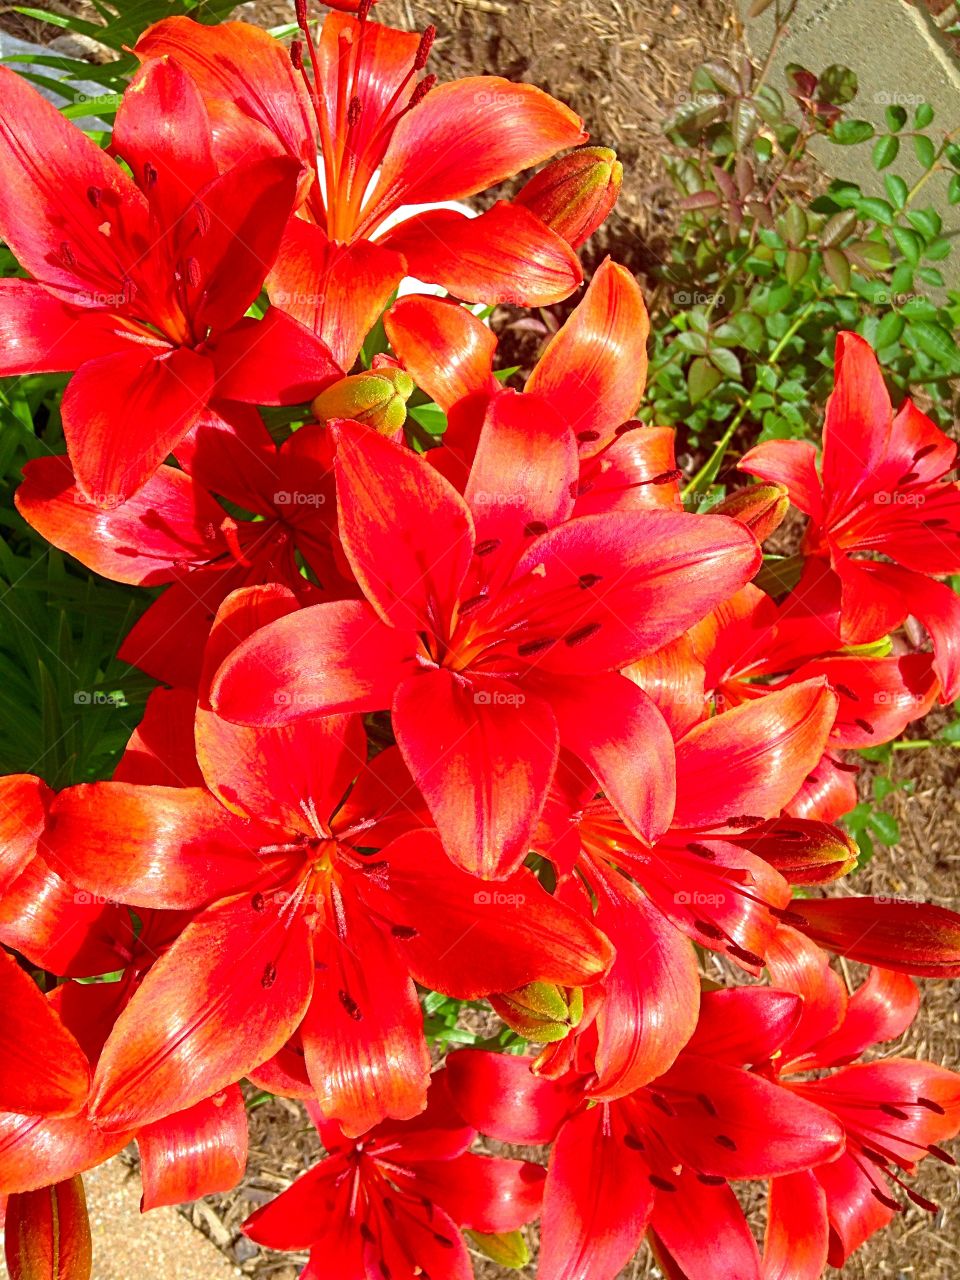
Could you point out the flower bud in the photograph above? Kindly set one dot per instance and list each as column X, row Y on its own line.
column 540, row 1011
column 507, row 1249
column 574, row 193
column 377, row 398
column 761, row 507
column 805, row 851
column 48, row 1233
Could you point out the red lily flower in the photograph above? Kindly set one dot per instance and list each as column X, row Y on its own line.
column 894, row 1111
column 299, row 925
column 591, row 376
column 174, row 530
column 881, row 491
column 495, row 627
column 750, row 646
column 192, row 1153
column 43, row 915
column 141, row 284
column 701, row 880
column 392, row 1204
column 619, row 1167
column 388, row 142
column 42, row 1068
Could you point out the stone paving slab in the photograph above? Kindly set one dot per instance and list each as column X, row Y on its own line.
column 900, row 58
column 128, row 1245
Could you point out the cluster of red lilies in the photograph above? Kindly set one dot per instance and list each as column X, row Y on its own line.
column 500, row 719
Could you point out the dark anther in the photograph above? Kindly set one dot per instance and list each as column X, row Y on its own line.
column 474, row 602
column 530, row 647
column 258, row 902
column 421, row 91
column 708, row 930
column 624, row 427
column 743, row 820
column 587, row 437
column 632, row 1142
column 702, row 851
column 660, row 1183
column 722, row 1140
column 662, row 1103
column 367, row 1233
column 865, row 725
column 405, row 931
column 847, row 692
column 929, row 1103
column 350, row 1005
column 296, row 55
column 354, row 112
column 444, row 1241
column 269, row 975
column 535, row 528
column 740, row 953
column 884, row 1199
column 424, row 47
column 889, row 1109
column 588, row 580
column 924, row 452
column 908, row 478
column 707, row 1105
column 710, row 1179
column 667, row 477
column 581, row 634
column 150, row 174
column 939, row 1154
column 94, row 195
column 486, row 546
column 921, row 1201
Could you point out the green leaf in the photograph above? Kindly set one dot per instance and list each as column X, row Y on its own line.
column 725, row 360
column 889, row 329
column 937, row 250
column 897, row 189
column 885, row 151
column 877, row 209
column 695, row 343
column 837, row 268
column 909, row 243
column 953, row 191
column 927, row 221
column 838, row 85
column 923, row 116
column 896, row 118
column 838, row 227
column 745, row 122
column 849, row 132
column 795, row 266
column 884, row 826
column 924, row 150
column 702, row 378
